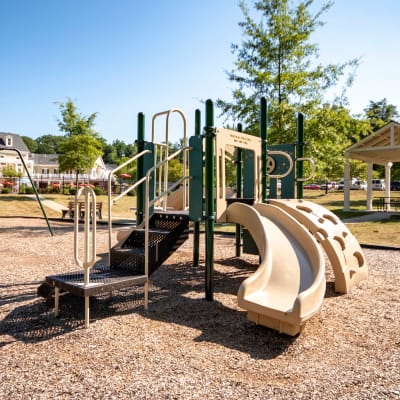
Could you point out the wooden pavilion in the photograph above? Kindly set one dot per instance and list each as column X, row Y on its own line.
column 382, row 148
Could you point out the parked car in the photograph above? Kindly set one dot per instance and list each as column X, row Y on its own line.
column 359, row 185
column 395, row 185
column 328, row 186
column 312, row 186
column 378, row 184
column 354, row 184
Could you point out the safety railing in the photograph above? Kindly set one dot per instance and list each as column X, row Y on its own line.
column 150, row 203
column 162, row 150
column 126, row 191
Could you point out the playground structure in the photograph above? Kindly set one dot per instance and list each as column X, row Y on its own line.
column 289, row 285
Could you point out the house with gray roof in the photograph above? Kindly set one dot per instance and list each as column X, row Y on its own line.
column 9, row 157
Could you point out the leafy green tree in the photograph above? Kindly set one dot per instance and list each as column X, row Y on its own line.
column 331, row 129
column 116, row 150
column 379, row 113
column 10, row 171
column 49, row 144
column 30, row 143
column 277, row 60
column 175, row 170
column 82, row 145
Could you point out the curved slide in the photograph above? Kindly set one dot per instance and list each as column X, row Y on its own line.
column 289, row 285
column 342, row 248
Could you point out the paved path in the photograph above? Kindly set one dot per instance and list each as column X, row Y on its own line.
column 49, row 203
column 373, row 216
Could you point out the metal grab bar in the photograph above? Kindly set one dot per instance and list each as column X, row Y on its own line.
column 312, row 163
column 284, row 154
column 89, row 247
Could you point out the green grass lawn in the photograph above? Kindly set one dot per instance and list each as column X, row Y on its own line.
column 380, row 232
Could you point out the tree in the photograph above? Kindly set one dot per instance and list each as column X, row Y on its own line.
column 277, row 60
column 379, row 113
column 82, row 145
column 30, row 143
column 49, row 144
column 330, row 130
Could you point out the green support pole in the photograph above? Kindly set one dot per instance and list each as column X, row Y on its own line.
column 264, row 148
column 196, row 224
column 239, row 163
column 140, row 193
column 209, row 133
column 300, row 154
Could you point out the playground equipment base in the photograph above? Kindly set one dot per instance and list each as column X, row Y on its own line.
column 275, row 323
column 102, row 280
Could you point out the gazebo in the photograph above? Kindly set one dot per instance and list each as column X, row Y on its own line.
column 382, row 148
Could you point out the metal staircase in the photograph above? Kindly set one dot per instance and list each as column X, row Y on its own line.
column 167, row 231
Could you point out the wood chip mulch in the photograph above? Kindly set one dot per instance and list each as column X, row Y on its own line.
column 184, row 347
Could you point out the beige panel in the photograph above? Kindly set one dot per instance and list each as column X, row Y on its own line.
column 342, row 248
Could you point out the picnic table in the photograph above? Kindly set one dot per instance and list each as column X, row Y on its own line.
column 70, row 211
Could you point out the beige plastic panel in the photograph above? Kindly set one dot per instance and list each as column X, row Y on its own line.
column 225, row 142
column 342, row 248
column 175, row 199
column 289, row 286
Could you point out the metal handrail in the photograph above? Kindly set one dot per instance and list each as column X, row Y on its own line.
column 183, row 150
column 149, row 204
column 109, row 183
column 168, row 113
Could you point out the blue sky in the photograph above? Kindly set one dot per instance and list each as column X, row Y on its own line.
column 120, row 57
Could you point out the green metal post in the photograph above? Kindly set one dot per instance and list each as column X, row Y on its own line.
column 209, row 133
column 239, row 163
column 264, row 148
column 300, row 154
column 140, row 192
column 196, row 224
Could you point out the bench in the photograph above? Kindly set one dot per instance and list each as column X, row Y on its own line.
column 70, row 211
column 386, row 203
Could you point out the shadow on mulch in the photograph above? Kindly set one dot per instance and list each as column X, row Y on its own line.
column 16, row 296
column 176, row 296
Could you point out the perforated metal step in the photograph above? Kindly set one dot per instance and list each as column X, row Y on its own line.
column 167, row 232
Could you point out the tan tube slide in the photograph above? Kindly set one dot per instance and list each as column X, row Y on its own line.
column 289, row 286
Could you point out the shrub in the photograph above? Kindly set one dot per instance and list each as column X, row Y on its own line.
column 29, row 190
column 98, row 190
column 6, row 190
column 72, row 191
